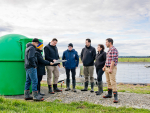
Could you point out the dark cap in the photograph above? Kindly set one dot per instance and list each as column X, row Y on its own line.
column 36, row 40
column 70, row 44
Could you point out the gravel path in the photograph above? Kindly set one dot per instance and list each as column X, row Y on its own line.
column 125, row 99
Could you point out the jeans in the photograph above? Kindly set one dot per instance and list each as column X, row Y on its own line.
column 99, row 72
column 73, row 71
column 31, row 76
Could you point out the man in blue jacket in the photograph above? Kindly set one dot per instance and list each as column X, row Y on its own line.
column 70, row 65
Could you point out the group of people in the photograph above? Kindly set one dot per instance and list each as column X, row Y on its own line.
column 104, row 62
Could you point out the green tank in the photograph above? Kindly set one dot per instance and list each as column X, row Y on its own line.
column 12, row 71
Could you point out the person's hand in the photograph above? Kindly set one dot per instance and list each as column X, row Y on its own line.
column 59, row 65
column 76, row 67
column 103, row 68
column 110, row 71
column 64, row 66
column 54, row 60
column 51, row 63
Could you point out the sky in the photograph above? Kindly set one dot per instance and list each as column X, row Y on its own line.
column 72, row 21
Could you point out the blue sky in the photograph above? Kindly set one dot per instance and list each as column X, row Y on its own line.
column 127, row 22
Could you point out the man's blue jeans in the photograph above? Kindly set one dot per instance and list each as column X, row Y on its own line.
column 31, row 76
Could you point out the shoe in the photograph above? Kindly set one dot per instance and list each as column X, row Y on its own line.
column 92, row 87
column 109, row 95
column 27, row 95
column 74, row 86
column 50, row 89
column 115, row 97
column 100, row 88
column 85, row 86
column 56, row 89
column 36, row 96
column 68, row 85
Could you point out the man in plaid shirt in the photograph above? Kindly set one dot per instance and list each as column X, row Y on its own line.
column 110, row 69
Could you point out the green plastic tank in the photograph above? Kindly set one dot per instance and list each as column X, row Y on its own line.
column 12, row 71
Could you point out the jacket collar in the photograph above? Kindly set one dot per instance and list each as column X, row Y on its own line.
column 88, row 47
column 39, row 50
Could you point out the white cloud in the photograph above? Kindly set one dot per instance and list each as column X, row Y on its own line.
column 55, row 18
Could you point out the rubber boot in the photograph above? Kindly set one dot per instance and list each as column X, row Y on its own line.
column 56, row 89
column 68, row 85
column 27, row 95
column 109, row 95
column 92, row 87
column 74, row 86
column 85, row 86
column 36, row 96
column 115, row 97
column 39, row 89
column 100, row 88
column 50, row 89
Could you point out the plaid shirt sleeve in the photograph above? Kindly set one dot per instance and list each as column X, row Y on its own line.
column 114, row 55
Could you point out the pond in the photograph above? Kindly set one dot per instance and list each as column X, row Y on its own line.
column 126, row 73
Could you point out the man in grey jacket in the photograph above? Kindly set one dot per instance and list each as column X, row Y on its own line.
column 31, row 71
column 88, row 55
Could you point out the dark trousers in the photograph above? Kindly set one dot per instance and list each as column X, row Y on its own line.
column 39, row 82
column 99, row 72
column 73, row 71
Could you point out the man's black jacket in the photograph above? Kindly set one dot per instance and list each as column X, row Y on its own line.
column 51, row 53
column 88, row 56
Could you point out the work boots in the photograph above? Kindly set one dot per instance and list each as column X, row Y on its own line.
column 36, row 96
column 39, row 89
column 92, row 87
column 109, row 95
column 85, row 86
column 56, row 89
column 74, row 86
column 100, row 88
column 68, row 85
column 27, row 95
column 115, row 97
column 50, row 89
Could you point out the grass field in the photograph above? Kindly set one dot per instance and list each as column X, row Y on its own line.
column 18, row 106
column 129, row 60
column 134, row 59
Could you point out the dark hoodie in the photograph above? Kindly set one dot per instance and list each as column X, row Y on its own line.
column 88, row 56
column 30, row 57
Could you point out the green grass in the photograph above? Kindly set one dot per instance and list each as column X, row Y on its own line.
column 17, row 106
column 129, row 60
column 139, row 89
column 134, row 59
